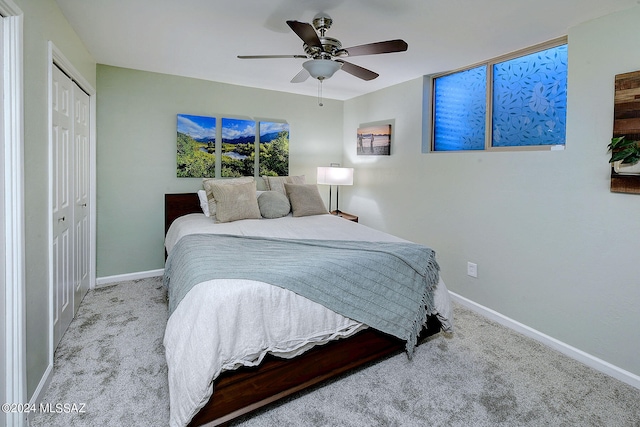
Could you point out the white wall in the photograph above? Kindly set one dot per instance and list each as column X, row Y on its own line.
column 556, row 250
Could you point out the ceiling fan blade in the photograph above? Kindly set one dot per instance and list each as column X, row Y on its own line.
column 301, row 76
column 390, row 46
column 271, row 56
column 357, row 70
column 306, row 32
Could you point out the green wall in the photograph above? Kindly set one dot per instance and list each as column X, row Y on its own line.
column 556, row 250
column 43, row 21
column 136, row 154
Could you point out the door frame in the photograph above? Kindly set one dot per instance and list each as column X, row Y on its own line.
column 57, row 57
column 13, row 369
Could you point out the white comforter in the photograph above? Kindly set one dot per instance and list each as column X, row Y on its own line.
column 224, row 324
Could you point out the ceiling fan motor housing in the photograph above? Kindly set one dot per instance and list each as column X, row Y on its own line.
column 330, row 48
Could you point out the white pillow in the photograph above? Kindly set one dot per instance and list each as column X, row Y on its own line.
column 204, row 202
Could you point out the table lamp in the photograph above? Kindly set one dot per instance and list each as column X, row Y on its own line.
column 335, row 175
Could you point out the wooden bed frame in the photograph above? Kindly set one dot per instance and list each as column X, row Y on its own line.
column 247, row 389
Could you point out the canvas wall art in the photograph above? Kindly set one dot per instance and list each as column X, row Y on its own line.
column 206, row 144
column 196, row 146
column 374, row 140
column 238, row 147
column 274, row 149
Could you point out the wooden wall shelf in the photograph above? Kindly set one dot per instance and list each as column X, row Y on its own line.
column 626, row 122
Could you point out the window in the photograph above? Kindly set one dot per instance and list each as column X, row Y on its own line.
column 514, row 102
column 460, row 109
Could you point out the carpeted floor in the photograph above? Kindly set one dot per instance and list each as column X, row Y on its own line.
column 111, row 365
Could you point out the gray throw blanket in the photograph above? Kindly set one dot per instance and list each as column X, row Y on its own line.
column 385, row 285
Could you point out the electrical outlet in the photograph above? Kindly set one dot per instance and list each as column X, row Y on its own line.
column 472, row 269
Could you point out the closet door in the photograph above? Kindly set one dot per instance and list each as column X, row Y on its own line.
column 62, row 204
column 81, row 190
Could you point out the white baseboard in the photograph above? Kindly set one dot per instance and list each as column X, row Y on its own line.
column 109, row 280
column 572, row 352
column 43, row 385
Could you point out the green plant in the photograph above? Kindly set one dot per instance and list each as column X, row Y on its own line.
column 628, row 152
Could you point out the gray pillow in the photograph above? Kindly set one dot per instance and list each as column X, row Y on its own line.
column 305, row 199
column 273, row 204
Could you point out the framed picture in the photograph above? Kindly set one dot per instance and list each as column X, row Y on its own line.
column 374, row 140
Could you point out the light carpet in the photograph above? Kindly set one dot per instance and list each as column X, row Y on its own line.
column 111, row 361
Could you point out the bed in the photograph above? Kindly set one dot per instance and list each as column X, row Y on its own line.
column 243, row 386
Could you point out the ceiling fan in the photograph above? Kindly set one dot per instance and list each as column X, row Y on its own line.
column 324, row 53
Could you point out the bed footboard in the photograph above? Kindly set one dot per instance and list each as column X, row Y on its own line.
column 244, row 390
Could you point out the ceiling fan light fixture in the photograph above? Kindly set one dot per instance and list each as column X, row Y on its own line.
column 321, row 69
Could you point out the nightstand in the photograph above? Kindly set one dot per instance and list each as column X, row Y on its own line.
column 345, row 215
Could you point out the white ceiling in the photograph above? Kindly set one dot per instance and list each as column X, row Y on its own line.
column 201, row 38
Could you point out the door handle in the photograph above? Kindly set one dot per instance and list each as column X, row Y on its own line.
column 61, row 219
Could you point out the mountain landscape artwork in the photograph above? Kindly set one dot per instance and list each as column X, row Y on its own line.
column 274, row 149
column 196, row 146
column 199, row 139
column 238, row 147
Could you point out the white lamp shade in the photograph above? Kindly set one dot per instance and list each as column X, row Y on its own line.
column 335, row 176
column 321, row 68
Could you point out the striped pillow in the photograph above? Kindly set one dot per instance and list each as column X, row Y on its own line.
column 208, row 182
column 276, row 183
column 305, row 200
column 235, row 202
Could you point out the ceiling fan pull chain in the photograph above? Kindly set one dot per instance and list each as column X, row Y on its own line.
column 320, row 93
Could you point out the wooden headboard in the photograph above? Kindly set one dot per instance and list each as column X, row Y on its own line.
column 177, row 205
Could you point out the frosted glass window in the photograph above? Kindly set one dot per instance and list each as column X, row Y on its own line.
column 515, row 101
column 460, row 110
column 530, row 99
